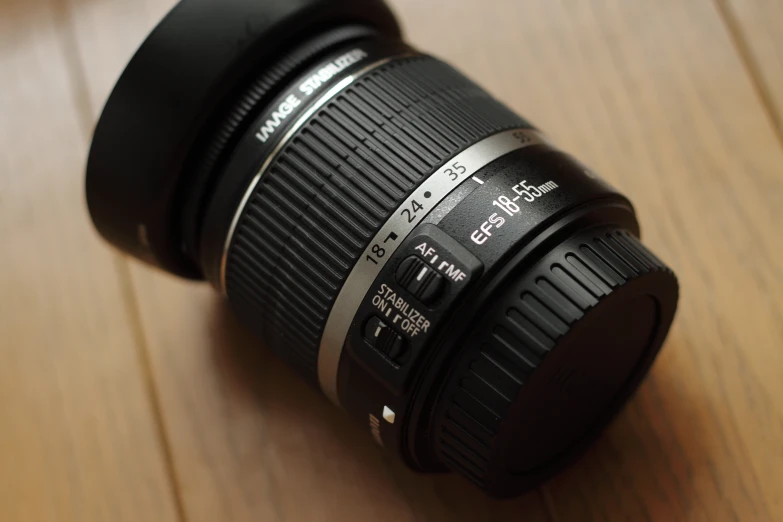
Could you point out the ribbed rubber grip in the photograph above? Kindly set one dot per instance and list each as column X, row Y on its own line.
column 334, row 185
column 220, row 142
column 482, row 423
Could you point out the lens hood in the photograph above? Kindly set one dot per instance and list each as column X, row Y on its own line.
column 194, row 59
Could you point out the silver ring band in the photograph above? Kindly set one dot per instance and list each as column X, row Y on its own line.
column 429, row 194
column 323, row 100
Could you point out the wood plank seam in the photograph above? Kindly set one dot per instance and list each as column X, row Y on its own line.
column 752, row 66
column 153, row 396
column 549, row 505
column 78, row 78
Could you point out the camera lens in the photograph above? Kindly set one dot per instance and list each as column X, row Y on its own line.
column 477, row 298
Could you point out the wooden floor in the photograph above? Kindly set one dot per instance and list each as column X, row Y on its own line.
column 127, row 395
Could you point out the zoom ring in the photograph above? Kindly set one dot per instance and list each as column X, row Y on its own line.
column 538, row 310
column 335, row 183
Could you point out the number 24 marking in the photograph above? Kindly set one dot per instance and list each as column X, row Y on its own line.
column 410, row 213
column 453, row 171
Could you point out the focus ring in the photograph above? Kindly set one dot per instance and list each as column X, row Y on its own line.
column 335, row 183
column 530, row 319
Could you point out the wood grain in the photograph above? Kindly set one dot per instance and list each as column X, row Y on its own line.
column 78, row 439
column 756, row 26
column 654, row 95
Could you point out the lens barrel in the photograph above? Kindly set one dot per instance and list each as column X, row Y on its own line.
column 476, row 297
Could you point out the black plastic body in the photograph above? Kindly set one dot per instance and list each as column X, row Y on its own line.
column 579, row 202
column 263, row 146
column 332, row 185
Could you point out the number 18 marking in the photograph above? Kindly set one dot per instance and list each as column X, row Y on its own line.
column 378, row 251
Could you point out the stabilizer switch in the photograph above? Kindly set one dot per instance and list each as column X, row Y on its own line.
column 384, row 339
column 423, row 282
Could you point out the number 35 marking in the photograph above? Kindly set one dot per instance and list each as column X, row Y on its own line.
column 455, row 170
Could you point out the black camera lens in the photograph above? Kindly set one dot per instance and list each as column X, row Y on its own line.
column 473, row 295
